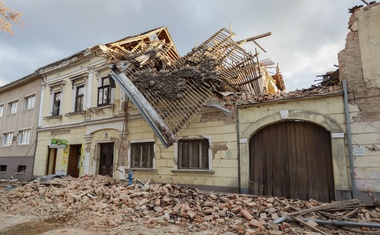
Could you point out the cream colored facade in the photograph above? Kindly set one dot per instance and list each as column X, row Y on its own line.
column 86, row 128
column 359, row 65
column 326, row 111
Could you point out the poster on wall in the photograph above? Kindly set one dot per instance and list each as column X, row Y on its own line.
column 58, row 143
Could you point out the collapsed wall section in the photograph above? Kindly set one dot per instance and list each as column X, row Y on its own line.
column 359, row 65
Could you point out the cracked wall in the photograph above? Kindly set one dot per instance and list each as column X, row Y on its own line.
column 359, row 64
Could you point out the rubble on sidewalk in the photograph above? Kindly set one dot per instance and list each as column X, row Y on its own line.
column 100, row 202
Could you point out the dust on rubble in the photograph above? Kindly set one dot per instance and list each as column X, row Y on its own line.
column 103, row 205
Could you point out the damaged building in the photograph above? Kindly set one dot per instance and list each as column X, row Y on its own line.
column 215, row 118
column 137, row 105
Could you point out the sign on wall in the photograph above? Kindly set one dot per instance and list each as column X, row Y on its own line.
column 58, row 143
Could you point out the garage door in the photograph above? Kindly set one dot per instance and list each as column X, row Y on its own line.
column 292, row 159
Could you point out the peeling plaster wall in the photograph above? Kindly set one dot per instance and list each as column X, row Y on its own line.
column 359, row 63
column 221, row 132
column 326, row 111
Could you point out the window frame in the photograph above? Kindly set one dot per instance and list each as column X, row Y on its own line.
column 203, row 158
column 6, row 140
column 21, row 136
column 142, row 147
column 56, row 109
column 33, row 103
column 1, row 168
column 19, row 171
column 104, row 87
column 13, row 107
column 80, row 97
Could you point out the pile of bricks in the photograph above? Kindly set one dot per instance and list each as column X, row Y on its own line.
column 101, row 202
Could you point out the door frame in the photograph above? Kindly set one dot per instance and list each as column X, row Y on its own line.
column 340, row 165
column 98, row 151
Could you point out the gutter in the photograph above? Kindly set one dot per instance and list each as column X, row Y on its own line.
column 238, row 145
column 349, row 141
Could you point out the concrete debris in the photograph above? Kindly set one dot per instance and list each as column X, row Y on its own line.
column 100, row 203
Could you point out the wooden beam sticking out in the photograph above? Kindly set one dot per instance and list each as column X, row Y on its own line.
column 255, row 37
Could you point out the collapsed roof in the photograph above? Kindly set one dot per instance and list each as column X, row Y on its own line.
column 169, row 90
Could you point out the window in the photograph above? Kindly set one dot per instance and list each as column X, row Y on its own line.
column 3, row 168
column 142, row 155
column 79, row 99
column 13, row 107
column 21, row 169
column 193, row 154
column 1, row 110
column 8, row 138
column 104, row 92
column 29, row 102
column 24, row 137
column 56, row 104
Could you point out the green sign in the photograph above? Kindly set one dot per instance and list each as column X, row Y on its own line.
column 58, row 143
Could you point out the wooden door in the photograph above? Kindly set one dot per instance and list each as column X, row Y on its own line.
column 106, row 159
column 74, row 163
column 51, row 161
column 292, row 159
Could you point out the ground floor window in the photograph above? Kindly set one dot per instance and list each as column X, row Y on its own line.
column 142, row 155
column 193, row 154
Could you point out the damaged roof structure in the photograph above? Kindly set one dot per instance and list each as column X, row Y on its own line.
column 169, row 90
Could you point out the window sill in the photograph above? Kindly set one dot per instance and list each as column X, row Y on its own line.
column 141, row 170
column 105, row 106
column 23, row 144
column 54, row 117
column 75, row 113
column 194, row 171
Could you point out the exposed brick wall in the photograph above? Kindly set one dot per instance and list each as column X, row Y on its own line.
column 350, row 68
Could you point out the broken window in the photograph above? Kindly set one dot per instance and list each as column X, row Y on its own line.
column 3, row 168
column 79, row 98
column 104, row 92
column 56, row 104
column 21, row 169
column 13, row 107
column 142, row 155
column 193, row 154
column 8, row 138
column 24, row 137
column 29, row 102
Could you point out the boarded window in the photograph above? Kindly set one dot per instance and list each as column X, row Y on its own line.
column 193, row 154
column 142, row 155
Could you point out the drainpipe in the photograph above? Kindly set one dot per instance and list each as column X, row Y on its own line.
column 238, row 144
column 349, row 141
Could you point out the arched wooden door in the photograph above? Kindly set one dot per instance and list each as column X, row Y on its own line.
column 292, row 159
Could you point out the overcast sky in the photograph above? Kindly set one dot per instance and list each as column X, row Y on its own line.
column 306, row 34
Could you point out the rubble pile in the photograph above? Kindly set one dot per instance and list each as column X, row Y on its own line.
column 198, row 67
column 95, row 202
column 246, row 98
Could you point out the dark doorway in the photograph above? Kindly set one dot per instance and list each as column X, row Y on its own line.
column 106, row 159
column 74, row 160
column 51, row 161
column 292, row 159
